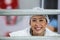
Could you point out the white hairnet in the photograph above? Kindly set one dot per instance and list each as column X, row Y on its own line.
column 46, row 16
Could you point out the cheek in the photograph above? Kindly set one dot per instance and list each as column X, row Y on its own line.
column 32, row 25
column 44, row 25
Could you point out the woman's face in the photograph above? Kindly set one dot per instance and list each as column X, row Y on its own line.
column 38, row 23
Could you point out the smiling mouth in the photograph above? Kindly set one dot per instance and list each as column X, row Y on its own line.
column 38, row 28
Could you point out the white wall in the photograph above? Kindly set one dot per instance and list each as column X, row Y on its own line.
column 28, row 4
column 22, row 23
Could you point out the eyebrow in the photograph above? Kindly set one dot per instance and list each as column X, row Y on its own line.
column 38, row 18
column 33, row 18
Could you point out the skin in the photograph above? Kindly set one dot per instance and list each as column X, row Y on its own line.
column 38, row 24
column 52, row 28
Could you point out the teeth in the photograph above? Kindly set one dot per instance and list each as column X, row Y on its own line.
column 38, row 29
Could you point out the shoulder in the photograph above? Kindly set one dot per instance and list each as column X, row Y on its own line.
column 20, row 33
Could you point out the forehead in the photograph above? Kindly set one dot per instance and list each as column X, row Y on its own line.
column 38, row 17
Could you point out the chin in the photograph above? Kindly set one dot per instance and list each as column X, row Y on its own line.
column 38, row 32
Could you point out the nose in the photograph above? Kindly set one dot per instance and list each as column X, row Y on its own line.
column 37, row 24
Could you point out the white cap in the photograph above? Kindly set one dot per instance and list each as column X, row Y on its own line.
column 46, row 16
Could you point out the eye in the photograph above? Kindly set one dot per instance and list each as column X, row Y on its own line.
column 34, row 20
column 41, row 20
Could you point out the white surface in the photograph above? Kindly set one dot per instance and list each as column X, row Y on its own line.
column 22, row 23
column 28, row 4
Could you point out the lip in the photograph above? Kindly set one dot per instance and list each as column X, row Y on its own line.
column 38, row 28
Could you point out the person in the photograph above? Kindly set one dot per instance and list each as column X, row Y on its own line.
column 53, row 24
column 37, row 27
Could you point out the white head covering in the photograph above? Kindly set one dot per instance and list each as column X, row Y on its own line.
column 46, row 16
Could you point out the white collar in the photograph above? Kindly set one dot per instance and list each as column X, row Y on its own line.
column 47, row 32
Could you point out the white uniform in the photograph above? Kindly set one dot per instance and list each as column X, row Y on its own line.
column 26, row 32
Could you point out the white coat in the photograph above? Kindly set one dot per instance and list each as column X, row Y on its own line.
column 26, row 32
